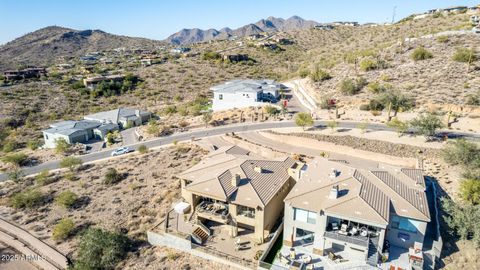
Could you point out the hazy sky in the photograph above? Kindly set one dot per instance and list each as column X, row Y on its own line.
column 158, row 19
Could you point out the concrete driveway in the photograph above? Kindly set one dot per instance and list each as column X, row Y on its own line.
column 128, row 136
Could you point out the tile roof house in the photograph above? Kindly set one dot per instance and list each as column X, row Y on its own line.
column 246, row 191
column 94, row 126
column 245, row 93
column 335, row 206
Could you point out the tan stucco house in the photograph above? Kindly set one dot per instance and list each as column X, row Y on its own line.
column 233, row 187
column 338, row 207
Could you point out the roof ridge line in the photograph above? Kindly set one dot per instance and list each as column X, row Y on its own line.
column 361, row 186
column 250, row 183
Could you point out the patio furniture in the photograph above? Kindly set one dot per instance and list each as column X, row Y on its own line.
column 363, row 232
column 334, row 226
column 284, row 259
column 354, row 231
column 343, row 229
column 306, row 258
column 293, row 254
column 310, row 267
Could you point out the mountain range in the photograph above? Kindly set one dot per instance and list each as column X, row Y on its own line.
column 53, row 43
column 46, row 45
column 270, row 24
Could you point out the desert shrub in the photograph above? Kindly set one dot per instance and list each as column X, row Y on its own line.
column 61, row 146
column 462, row 152
column 399, row 126
column 170, row 110
column 352, row 87
column 98, row 249
column 63, row 229
column 43, row 178
column 473, row 99
column 66, row 199
column 319, row 75
column 395, row 100
column 71, row 163
column 465, row 55
column 16, row 159
column 33, row 144
column 143, row 149
column 470, row 190
column 28, row 198
column 303, row 73
column 210, row 55
column 112, row 176
column 15, row 175
column 426, row 124
column 377, row 87
column 10, row 146
column 463, row 220
column 372, row 64
column 303, row 120
column 421, row 53
column 271, row 110
column 443, row 39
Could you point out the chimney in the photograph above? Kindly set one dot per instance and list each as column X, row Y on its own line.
column 333, row 192
column 236, row 180
column 258, row 169
column 137, row 113
column 334, row 173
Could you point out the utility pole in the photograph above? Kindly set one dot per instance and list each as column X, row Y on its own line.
column 394, row 13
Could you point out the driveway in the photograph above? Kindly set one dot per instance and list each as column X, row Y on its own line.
column 128, row 136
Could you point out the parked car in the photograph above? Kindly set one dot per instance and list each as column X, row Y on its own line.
column 121, row 151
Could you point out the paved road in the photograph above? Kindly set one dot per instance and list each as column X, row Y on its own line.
column 202, row 133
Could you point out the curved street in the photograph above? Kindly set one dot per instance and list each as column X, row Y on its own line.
column 202, row 133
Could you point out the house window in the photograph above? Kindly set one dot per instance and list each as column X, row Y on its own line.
column 220, row 96
column 245, row 211
column 404, row 224
column 305, row 216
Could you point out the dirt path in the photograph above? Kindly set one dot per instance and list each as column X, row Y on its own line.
column 39, row 253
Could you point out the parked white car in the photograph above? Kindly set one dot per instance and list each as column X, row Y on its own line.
column 121, row 151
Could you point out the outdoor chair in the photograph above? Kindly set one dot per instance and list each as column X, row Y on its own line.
column 354, row 231
column 343, row 229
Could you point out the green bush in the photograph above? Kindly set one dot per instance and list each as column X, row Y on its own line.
column 443, row 39
column 465, row 55
column 170, row 110
column 319, row 75
column 33, row 144
column 462, row 152
column 63, row 229
column 43, row 178
column 61, row 146
column 303, row 73
column 303, row 120
column 10, row 146
column 210, row 55
column 143, row 149
column 100, row 249
column 352, row 87
column 470, row 190
column 29, row 198
column 377, row 87
column 426, row 124
column 16, row 159
column 473, row 99
column 421, row 53
column 71, row 163
column 372, row 64
column 66, row 199
column 462, row 220
column 112, row 177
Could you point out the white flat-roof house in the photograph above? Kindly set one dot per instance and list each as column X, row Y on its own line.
column 337, row 208
column 244, row 93
column 96, row 125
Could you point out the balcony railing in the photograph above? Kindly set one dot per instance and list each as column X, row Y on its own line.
column 352, row 239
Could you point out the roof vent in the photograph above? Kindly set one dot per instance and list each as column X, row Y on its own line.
column 334, row 173
column 258, row 169
column 333, row 192
column 236, row 180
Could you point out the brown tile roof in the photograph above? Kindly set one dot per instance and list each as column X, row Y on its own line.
column 235, row 150
column 417, row 198
column 266, row 184
column 416, row 175
column 373, row 196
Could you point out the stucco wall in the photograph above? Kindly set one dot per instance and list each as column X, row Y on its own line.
column 392, row 236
